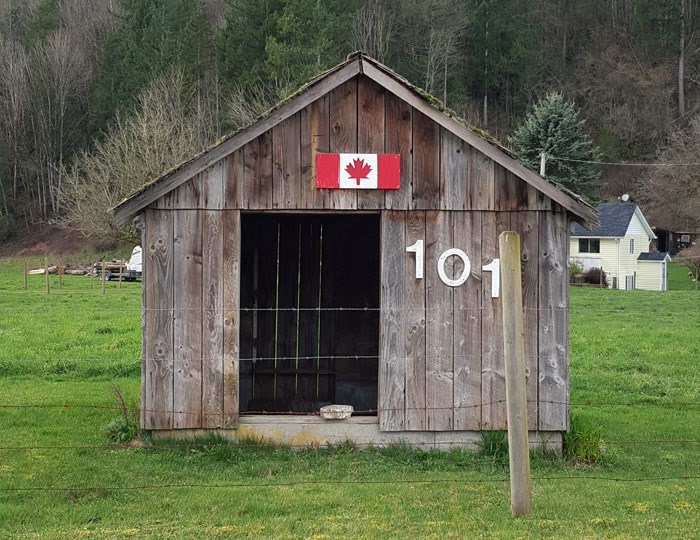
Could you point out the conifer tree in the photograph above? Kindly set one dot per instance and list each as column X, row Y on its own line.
column 553, row 127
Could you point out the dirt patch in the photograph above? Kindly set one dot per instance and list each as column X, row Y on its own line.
column 50, row 240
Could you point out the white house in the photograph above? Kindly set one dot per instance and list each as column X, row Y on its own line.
column 620, row 246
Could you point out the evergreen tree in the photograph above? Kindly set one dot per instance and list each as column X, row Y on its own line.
column 241, row 44
column 553, row 127
column 155, row 35
column 306, row 41
column 44, row 21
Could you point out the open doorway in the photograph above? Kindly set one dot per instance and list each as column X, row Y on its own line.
column 309, row 312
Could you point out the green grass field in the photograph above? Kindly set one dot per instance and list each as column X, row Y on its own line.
column 634, row 372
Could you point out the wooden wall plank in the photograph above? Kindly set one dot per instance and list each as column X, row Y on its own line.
column 213, row 321
column 467, row 325
column 526, row 225
column 187, row 286
column 235, row 183
column 481, row 188
column 510, row 191
column 343, row 136
column 426, row 163
column 286, row 172
column 213, row 188
column 231, row 321
column 554, row 323
column 188, row 196
column 493, row 385
column 256, row 185
column 157, row 398
column 320, row 132
column 399, row 140
column 371, row 130
column 414, row 322
column 439, row 301
column 392, row 363
column 453, row 172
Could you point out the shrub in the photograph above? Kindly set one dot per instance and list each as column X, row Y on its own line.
column 575, row 268
column 596, row 276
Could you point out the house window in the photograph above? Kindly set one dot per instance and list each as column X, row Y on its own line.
column 631, row 246
column 589, row 245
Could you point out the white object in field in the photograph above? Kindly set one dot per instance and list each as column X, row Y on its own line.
column 336, row 412
column 135, row 262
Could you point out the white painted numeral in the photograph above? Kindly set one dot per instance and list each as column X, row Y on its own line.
column 454, row 252
column 495, row 268
column 417, row 248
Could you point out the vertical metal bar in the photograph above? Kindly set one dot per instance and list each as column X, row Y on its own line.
column 318, row 322
column 277, row 310
column 296, row 360
column 256, row 255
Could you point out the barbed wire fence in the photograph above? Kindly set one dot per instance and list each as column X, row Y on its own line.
column 75, row 407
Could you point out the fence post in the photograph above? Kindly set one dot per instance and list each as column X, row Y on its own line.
column 514, row 352
column 26, row 281
column 104, row 278
column 60, row 274
column 46, row 273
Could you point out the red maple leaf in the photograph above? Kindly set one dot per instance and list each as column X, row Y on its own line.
column 358, row 170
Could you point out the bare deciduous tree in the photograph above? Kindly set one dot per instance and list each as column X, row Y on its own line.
column 169, row 126
column 245, row 104
column 14, row 99
column 373, row 28
column 59, row 76
column 671, row 190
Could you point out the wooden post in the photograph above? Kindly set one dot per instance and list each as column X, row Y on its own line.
column 121, row 271
column 514, row 352
column 104, row 278
column 26, row 281
column 92, row 276
column 46, row 273
column 543, row 164
column 60, row 274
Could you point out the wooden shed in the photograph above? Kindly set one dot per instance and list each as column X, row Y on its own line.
column 266, row 297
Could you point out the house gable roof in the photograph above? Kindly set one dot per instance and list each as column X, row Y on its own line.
column 356, row 64
column 614, row 221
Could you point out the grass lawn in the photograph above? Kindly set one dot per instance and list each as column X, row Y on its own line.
column 679, row 279
column 634, row 372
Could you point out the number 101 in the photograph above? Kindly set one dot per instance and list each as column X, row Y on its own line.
column 494, row 267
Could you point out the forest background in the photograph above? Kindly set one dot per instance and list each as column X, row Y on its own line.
column 99, row 96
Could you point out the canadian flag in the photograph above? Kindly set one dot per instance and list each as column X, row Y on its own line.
column 358, row 171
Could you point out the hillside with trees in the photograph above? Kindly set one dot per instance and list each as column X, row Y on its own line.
column 98, row 97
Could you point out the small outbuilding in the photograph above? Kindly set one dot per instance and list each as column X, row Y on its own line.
column 344, row 250
column 652, row 271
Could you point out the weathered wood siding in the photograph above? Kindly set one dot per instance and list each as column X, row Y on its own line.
column 441, row 362
column 453, row 360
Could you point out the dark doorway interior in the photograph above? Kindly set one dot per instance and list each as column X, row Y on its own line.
column 309, row 312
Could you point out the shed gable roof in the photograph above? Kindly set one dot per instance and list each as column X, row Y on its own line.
column 357, row 63
column 614, row 221
column 655, row 256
